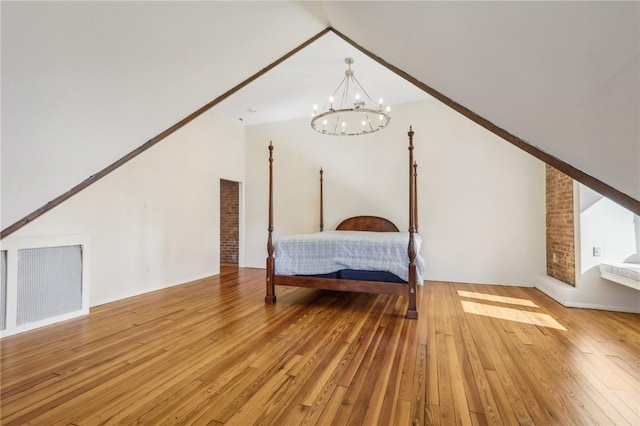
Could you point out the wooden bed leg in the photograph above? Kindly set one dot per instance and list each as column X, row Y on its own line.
column 412, row 309
column 270, row 298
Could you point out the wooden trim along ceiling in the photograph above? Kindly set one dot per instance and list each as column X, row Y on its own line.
column 593, row 183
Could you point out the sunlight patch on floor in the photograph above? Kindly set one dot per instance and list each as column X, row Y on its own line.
column 495, row 298
column 534, row 318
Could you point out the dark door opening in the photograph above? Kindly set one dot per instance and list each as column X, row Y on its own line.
column 229, row 222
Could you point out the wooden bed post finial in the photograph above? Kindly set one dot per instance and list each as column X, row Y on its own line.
column 271, row 294
column 412, row 193
column 415, row 193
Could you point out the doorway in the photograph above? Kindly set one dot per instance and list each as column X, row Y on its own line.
column 229, row 222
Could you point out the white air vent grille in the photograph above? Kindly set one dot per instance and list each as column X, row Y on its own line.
column 3, row 289
column 49, row 282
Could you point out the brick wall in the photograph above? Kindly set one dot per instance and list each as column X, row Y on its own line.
column 560, row 230
column 229, row 214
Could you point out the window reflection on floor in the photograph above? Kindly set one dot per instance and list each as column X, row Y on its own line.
column 495, row 298
column 528, row 317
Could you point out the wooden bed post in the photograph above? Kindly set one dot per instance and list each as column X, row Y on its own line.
column 321, row 204
column 415, row 193
column 270, row 298
column 412, row 311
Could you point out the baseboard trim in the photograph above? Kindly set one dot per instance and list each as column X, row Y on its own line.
column 568, row 296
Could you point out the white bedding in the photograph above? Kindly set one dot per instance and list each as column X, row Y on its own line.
column 623, row 273
column 331, row 251
column 628, row 270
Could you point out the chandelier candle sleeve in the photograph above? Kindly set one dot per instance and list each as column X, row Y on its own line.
column 349, row 115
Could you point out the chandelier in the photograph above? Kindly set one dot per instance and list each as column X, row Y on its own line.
column 348, row 114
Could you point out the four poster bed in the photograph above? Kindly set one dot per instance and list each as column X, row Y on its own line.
column 365, row 254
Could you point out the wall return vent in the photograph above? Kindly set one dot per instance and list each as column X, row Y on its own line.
column 44, row 281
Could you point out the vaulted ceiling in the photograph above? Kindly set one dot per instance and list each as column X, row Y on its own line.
column 84, row 83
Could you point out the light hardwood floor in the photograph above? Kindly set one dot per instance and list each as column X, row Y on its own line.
column 211, row 352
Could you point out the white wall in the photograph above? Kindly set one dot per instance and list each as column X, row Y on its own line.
column 608, row 226
column 481, row 211
column 154, row 222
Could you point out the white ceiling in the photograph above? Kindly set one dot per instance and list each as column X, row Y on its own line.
column 84, row 83
column 308, row 78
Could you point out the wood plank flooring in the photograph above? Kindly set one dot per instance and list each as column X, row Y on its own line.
column 211, row 352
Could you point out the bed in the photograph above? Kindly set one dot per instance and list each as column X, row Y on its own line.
column 366, row 254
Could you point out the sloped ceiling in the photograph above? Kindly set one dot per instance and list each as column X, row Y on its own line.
column 84, row 83
column 563, row 76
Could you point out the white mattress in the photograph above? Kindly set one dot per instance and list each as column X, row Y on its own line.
column 330, row 251
column 627, row 270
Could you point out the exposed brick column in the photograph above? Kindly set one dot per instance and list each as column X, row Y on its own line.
column 561, row 253
column 229, row 223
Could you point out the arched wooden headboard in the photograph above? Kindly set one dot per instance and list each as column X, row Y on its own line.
column 367, row 223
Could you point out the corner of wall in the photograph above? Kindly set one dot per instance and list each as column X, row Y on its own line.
column 599, row 295
column 556, row 289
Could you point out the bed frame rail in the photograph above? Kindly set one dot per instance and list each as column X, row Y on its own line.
column 357, row 286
